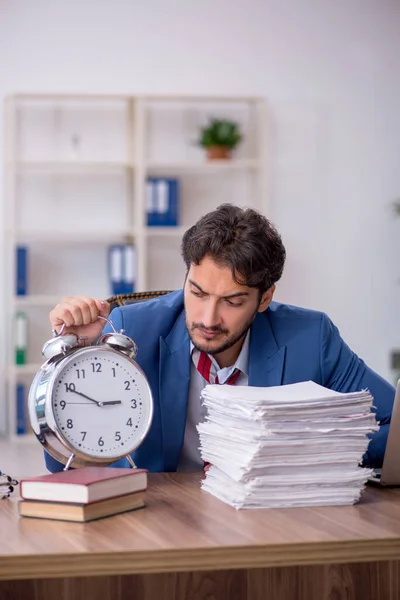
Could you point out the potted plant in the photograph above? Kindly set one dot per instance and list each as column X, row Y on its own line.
column 219, row 138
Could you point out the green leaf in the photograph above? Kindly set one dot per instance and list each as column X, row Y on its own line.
column 220, row 132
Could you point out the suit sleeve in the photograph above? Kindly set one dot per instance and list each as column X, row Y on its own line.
column 342, row 370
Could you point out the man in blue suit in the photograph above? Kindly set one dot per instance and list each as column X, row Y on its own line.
column 224, row 327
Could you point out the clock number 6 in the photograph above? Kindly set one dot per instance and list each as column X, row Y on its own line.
column 101, row 441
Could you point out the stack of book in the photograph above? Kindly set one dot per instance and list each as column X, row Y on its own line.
column 291, row 445
column 83, row 494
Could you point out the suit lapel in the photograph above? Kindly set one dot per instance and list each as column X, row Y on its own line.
column 266, row 358
column 266, row 362
column 174, row 390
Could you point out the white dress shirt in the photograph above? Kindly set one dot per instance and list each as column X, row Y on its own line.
column 190, row 459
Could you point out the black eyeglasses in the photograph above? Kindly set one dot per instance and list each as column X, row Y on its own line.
column 7, row 485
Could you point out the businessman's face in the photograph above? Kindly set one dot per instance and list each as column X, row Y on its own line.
column 219, row 311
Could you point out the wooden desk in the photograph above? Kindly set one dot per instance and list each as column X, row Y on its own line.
column 187, row 544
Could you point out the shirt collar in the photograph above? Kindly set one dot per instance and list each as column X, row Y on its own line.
column 242, row 361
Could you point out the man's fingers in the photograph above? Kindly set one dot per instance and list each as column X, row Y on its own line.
column 89, row 310
column 77, row 311
column 103, row 307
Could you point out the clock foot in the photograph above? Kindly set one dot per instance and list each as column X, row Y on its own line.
column 130, row 461
column 69, row 461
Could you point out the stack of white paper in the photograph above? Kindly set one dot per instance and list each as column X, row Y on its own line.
column 291, row 445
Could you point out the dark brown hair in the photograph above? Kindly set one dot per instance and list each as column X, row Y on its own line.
column 239, row 238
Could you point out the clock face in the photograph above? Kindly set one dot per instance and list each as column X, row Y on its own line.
column 101, row 403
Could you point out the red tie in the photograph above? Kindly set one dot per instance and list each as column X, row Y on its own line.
column 206, row 368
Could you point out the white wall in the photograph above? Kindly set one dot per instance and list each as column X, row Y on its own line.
column 330, row 72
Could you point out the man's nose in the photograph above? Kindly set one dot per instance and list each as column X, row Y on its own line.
column 210, row 317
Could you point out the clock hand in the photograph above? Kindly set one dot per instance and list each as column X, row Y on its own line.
column 109, row 402
column 99, row 403
column 87, row 397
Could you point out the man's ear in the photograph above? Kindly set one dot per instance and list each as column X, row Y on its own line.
column 266, row 299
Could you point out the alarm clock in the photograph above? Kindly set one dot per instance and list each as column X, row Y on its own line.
column 90, row 405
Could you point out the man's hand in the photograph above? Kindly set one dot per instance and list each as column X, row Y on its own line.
column 81, row 316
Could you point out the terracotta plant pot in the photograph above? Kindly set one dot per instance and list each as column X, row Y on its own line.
column 218, row 153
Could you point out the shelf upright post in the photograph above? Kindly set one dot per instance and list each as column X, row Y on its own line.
column 139, row 189
column 9, row 264
column 130, row 166
column 262, row 146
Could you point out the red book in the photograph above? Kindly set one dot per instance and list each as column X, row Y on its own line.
column 85, row 485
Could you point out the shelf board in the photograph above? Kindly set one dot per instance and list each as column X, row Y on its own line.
column 72, row 166
column 148, row 97
column 24, row 438
column 199, row 99
column 47, row 300
column 69, row 96
column 83, row 237
column 204, row 167
column 36, row 300
column 27, row 369
column 107, row 167
column 165, row 231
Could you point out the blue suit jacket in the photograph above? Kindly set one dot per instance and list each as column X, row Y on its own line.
column 287, row 345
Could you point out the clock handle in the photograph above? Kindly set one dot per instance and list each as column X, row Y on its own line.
column 118, row 340
column 59, row 344
column 55, row 334
column 109, row 322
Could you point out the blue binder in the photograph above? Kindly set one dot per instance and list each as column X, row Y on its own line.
column 122, row 268
column 21, row 283
column 129, row 268
column 115, row 258
column 162, row 202
column 21, row 409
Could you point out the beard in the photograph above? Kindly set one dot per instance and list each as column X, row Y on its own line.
column 229, row 340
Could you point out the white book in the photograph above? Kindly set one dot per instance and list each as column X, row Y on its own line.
column 150, row 197
column 129, row 264
column 162, row 193
column 116, row 259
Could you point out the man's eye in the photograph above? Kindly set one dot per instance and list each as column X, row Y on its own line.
column 237, row 304
column 197, row 294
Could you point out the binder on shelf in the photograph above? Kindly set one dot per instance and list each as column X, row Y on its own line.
column 21, row 410
column 115, row 268
column 21, row 338
column 21, row 271
column 122, row 268
column 129, row 263
column 162, row 199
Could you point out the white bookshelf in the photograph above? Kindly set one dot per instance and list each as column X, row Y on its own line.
column 75, row 170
